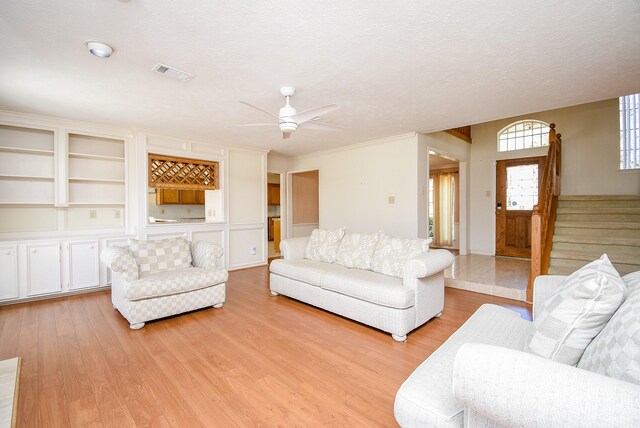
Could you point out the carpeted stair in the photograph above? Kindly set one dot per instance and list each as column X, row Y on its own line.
column 588, row 226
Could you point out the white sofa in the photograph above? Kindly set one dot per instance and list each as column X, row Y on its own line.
column 160, row 278
column 392, row 304
column 480, row 377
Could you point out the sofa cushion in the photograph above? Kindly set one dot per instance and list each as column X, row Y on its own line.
column 174, row 282
column 426, row 397
column 323, row 245
column 356, row 250
column 392, row 254
column 575, row 314
column 161, row 255
column 369, row 286
column 309, row 271
column 615, row 352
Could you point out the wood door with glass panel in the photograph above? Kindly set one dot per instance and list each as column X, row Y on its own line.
column 517, row 184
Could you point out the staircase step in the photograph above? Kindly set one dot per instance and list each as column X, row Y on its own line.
column 604, row 210
column 567, row 267
column 610, row 231
column 613, row 251
column 622, row 203
column 599, row 198
column 597, row 217
column 629, row 225
column 588, row 256
column 597, row 240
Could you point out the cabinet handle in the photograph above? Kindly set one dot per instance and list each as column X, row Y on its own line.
column 8, row 253
column 34, row 251
column 91, row 247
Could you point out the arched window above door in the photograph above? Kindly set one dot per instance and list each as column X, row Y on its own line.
column 523, row 134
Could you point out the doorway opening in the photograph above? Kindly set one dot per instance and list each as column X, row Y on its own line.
column 273, row 214
column 304, row 209
column 444, row 201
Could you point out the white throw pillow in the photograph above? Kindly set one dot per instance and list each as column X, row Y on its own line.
column 577, row 312
column 323, row 245
column 392, row 254
column 615, row 352
column 161, row 255
column 356, row 250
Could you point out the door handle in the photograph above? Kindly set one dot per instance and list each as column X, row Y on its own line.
column 498, row 208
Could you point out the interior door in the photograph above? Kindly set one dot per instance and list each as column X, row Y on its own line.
column 517, row 184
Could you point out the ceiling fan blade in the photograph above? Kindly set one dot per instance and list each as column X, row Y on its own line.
column 314, row 112
column 286, row 135
column 259, row 108
column 320, row 126
column 252, row 124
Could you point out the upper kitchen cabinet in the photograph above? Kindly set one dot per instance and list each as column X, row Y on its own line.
column 273, row 194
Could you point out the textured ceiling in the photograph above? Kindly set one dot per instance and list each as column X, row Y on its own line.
column 393, row 67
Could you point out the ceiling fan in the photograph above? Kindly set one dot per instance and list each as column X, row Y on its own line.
column 289, row 120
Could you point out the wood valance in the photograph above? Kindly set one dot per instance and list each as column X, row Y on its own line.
column 169, row 172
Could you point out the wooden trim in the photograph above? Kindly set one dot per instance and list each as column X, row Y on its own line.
column 463, row 132
column 543, row 219
column 171, row 172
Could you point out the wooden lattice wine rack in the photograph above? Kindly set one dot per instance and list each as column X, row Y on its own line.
column 169, row 172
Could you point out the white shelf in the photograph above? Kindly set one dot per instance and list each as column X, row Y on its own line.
column 44, row 204
column 95, row 180
column 99, row 157
column 29, row 151
column 91, row 204
column 24, row 177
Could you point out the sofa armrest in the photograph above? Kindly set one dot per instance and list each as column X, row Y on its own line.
column 543, row 287
column 293, row 248
column 513, row 388
column 432, row 262
column 121, row 261
column 204, row 254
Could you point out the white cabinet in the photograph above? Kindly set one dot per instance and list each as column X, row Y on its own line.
column 84, row 264
column 9, row 272
column 43, row 268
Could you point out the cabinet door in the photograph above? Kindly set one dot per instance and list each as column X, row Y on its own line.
column 200, row 197
column 188, row 197
column 43, row 268
column 275, row 194
column 8, row 272
column 84, row 265
column 167, row 196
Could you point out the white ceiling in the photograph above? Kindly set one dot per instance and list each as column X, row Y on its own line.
column 393, row 67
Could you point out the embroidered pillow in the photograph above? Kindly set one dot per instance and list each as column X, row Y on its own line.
column 577, row 312
column 615, row 352
column 323, row 245
column 356, row 250
column 392, row 254
column 161, row 255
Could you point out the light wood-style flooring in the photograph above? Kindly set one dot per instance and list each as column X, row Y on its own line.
column 259, row 361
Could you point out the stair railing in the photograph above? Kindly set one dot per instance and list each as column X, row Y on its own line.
column 543, row 219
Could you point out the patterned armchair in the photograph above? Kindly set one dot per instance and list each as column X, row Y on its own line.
column 157, row 279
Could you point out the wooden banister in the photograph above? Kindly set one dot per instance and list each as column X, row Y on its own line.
column 543, row 219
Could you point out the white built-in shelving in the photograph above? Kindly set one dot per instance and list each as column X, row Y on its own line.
column 26, row 166
column 96, row 170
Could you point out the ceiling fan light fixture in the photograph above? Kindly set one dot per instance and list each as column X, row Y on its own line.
column 288, row 127
column 99, row 49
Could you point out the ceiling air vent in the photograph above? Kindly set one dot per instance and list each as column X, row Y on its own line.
column 174, row 73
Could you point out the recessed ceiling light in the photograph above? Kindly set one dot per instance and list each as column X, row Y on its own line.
column 100, row 49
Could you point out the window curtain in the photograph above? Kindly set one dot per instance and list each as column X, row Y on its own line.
column 444, row 193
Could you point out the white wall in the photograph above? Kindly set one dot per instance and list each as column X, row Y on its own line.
column 590, row 160
column 356, row 181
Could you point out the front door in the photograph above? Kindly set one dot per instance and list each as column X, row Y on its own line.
column 517, row 183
